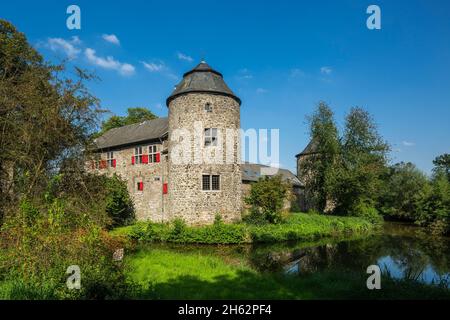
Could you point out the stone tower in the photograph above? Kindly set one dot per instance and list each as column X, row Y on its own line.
column 204, row 174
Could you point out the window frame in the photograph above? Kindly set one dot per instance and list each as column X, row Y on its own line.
column 210, row 137
column 211, row 183
column 109, row 159
column 152, row 153
column 138, row 154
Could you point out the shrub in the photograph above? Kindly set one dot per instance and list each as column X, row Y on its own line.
column 366, row 211
column 34, row 257
column 266, row 199
column 119, row 205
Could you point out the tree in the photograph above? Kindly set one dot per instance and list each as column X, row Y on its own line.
column 442, row 163
column 45, row 118
column 267, row 197
column 134, row 115
column 318, row 168
column 363, row 163
column 402, row 189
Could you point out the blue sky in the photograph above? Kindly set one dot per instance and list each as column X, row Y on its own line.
column 281, row 57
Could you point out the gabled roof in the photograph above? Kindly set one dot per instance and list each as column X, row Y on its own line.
column 202, row 79
column 311, row 148
column 133, row 133
column 252, row 172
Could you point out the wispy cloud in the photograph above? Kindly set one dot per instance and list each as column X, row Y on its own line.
column 296, row 73
column 159, row 67
column 153, row 67
column 111, row 38
column 109, row 62
column 184, row 57
column 68, row 47
column 261, row 90
column 244, row 74
column 408, row 144
column 326, row 70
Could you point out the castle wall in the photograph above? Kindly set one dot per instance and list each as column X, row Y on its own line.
column 149, row 203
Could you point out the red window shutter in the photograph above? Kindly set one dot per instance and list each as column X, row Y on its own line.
column 103, row 164
column 165, row 188
column 132, row 160
column 140, row 186
column 145, row 159
column 114, row 163
column 158, row 157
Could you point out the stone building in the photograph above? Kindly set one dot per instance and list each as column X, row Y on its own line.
column 187, row 165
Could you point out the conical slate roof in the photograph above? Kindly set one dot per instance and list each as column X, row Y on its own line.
column 202, row 79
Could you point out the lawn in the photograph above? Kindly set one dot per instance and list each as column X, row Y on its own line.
column 170, row 274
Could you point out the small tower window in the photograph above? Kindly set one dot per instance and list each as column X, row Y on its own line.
column 208, row 107
column 210, row 182
column 210, row 137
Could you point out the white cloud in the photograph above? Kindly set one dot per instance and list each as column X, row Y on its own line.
column 326, row 70
column 67, row 46
column 261, row 90
column 244, row 74
column 159, row 67
column 154, row 67
column 111, row 38
column 184, row 57
column 109, row 62
column 408, row 144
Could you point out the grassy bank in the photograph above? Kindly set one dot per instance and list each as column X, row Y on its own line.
column 168, row 274
column 298, row 226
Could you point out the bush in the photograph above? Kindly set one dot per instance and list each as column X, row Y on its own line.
column 119, row 205
column 34, row 256
column 366, row 211
column 267, row 197
column 296, row 227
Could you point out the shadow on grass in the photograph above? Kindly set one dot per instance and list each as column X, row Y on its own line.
column 249, row 285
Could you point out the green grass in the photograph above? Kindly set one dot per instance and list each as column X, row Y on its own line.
column 299, row 226
column 168, row 274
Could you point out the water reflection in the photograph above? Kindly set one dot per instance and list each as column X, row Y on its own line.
column 400, row 251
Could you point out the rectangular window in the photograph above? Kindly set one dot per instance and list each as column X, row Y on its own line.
column 140, row 186
column 153, row 155
column 110, row 159
column 138, row 155
column 215, row 182
column 210, row 137
column 210, row 182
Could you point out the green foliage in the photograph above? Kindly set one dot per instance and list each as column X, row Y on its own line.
column 366, row 211
column 34, row 257
column 433, row 205
column 47, row 120
column 134, row 115
column 442, row 164
column 362, row 165
column 342, row 172
column 295, row 227
column 119, row 205
column 318, row 168
column 266, row 198
column 402, row 190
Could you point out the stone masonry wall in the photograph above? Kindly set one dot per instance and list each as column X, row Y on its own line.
column 187, row 200
column 150, row 203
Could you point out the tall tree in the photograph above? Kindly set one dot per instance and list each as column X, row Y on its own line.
column 318, row 168
column 45, row 118
column 364, row 158
column 442, row 164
